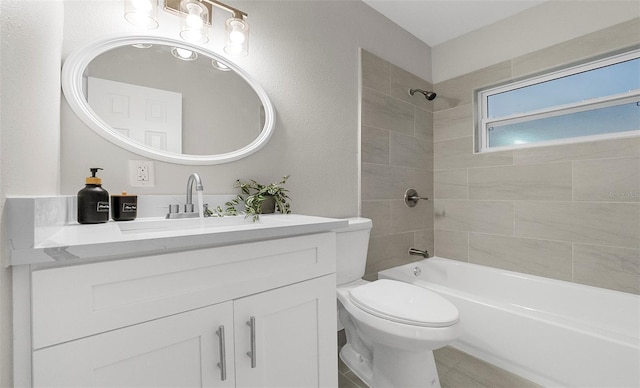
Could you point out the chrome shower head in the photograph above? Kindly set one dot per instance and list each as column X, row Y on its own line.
column 428, row 95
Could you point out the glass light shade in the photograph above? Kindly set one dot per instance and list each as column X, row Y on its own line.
column 196, row 21
column 142, row 13
column 237, row 39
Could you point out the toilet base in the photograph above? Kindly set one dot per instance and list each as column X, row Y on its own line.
column 360, row 366
column 392, row 371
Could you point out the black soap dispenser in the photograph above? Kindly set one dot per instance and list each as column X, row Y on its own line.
column 93, row 201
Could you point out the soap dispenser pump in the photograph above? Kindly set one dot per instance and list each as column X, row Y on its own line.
column 93, row 201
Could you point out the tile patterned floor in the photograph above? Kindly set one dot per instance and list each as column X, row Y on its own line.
column 456, row 370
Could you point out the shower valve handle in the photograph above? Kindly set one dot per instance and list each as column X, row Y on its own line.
column 411, row 197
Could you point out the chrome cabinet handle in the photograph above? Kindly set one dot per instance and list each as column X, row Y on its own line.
column 223, row 354
column 252, row 354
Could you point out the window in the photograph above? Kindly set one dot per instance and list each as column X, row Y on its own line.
column 597, row 100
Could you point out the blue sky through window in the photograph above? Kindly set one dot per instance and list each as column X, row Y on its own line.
column 619, row 118
column 604, row 81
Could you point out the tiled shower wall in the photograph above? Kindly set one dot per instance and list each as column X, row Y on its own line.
column 397, row 154
column 569, row 212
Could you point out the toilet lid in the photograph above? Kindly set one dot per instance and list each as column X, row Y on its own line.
column 404, row 303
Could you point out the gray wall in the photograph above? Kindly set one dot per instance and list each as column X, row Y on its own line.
column 397, row 154
column 569, row 212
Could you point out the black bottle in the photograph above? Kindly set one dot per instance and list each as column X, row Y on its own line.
column 93, row 201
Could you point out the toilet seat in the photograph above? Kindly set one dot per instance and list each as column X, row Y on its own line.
column 404, row 303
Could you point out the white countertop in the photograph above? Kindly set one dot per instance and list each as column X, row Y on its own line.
column 144, row 236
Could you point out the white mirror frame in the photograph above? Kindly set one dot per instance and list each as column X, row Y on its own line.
column 72, row 86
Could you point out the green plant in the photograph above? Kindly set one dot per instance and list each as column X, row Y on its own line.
column 253, row 196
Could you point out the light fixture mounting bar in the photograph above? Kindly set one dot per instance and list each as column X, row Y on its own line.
column 173, row 6
column 236, row 12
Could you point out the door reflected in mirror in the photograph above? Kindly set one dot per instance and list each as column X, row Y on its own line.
column 183, row 102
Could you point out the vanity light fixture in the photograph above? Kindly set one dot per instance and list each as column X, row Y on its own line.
column 198, row 17
column 142, row 13
column 196, row 21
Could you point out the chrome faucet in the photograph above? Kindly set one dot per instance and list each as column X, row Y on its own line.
column 188, row 207
column 174, row 210
column 418, row 252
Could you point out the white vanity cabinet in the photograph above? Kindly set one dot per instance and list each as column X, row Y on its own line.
column 156, row 320
column 180, row 350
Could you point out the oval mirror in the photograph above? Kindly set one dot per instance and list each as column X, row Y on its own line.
column 167, row 100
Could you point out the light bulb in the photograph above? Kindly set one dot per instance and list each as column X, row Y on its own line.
column 219, row 65
column 141, row 13
column 183, row 53
column 236, row 37
column 142, row 5
column 194, row 19
column 193, row 26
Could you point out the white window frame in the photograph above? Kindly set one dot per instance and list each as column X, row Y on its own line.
column 483, row 122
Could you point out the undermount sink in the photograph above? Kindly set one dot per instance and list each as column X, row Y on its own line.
column 161, row 224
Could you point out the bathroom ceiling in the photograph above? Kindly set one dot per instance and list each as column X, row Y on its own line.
column 437, row 21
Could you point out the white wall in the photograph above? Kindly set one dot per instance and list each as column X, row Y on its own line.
column 305, row 55
column 550, row 23
column 29, row 122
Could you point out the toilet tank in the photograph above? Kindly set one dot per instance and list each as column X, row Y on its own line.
column 352, row 244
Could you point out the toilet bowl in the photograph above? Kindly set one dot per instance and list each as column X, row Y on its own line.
column 392, row 327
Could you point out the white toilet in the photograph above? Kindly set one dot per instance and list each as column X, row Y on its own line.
column 392, row 327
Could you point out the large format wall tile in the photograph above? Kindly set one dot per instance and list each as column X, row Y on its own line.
column 424, row 239
column 379, row 212
column 405, row 219
column 536, row 182
column 612, row 180
column 451, row 184
column 423, row 183
column 609, row 267
column 410, row 151
column 389, row 251
column 452, row 244
column 423, row 123
column 616, row 148
column 375, row 72
column 495, row 217
column 402, row 81
column 384, row 182
column 459, row 91
column 384, row 112
column 616, row 224
column 453, row 123
column 551, row 259
column 375, row 145
column 458, row 153
column 524, row 209
column 396, row 154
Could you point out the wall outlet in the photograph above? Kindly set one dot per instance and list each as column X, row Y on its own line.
column 141, row 173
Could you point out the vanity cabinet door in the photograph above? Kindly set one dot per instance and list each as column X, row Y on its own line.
column 294, row 336
column 182, row 350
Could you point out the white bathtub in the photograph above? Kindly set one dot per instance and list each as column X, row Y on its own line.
column 555, row 333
